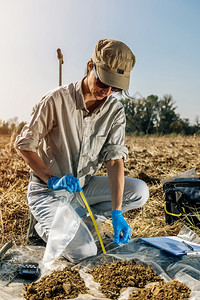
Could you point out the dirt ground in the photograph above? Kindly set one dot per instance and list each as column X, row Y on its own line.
column 151, row 159
column 113, row 277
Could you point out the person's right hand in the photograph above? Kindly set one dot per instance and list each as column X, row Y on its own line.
column 120, row 226
column 68, row 182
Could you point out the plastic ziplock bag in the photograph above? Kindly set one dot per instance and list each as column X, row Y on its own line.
column 69, row 237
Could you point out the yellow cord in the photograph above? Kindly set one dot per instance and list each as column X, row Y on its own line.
column 169, row 213
column 93, row 220
column 180, row 214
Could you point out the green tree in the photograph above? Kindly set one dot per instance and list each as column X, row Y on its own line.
column 4, row 129
column 141, row 114
column 195, row 129
column 182, row 126
column 150, row 116
column 167, row 115
column 129, row 108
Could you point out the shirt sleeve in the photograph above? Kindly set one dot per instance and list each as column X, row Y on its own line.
column 41, row 123
column 114, row 147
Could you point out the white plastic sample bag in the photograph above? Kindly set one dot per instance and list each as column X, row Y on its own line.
column 69, row 237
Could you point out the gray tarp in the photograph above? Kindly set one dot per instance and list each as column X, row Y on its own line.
column 185, row 268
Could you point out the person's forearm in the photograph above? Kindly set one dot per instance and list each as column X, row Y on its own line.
column 36, row 164
column 115, row 170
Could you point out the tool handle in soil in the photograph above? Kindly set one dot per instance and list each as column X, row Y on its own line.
column 93, row 220
column 5, row 248
column 60, row 56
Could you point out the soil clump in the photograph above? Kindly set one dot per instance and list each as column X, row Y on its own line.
column 115, row 276
column 65, row 284
column 171, row 290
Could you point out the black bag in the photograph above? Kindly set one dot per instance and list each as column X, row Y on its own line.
column 182, row 200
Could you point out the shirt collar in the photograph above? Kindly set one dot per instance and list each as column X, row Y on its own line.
column 80, row 103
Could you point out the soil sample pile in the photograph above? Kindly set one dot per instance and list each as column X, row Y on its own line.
column 171, row 290
column 115, row 276
column 65, row 284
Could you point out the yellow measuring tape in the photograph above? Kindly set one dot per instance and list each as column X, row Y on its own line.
column 93, row 220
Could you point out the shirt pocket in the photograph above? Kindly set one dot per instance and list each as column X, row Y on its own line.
column 97, row 145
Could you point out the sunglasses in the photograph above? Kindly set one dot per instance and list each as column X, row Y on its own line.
column 102, row 85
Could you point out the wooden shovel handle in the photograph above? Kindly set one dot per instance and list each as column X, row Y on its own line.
column 5, row 248
column 60, row 56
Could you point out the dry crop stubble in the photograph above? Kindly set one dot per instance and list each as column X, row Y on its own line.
column 154, row 159
column 151, row 159
column 13, row 187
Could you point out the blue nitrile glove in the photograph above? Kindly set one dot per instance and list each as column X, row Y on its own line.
column 67, row 182
column 120, row 225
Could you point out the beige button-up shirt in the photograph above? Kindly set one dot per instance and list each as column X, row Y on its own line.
column 69, row 139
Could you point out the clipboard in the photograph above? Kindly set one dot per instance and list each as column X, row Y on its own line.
column 173, row 245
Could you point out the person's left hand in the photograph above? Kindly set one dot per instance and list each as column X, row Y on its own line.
column 120, row 225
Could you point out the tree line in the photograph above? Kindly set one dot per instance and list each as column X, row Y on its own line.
column 144, row 116
column 152, row 115
column 10, row 126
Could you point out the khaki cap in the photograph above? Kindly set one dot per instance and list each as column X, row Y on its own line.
column 114, row 61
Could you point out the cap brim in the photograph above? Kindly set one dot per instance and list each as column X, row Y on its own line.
column 112, row 78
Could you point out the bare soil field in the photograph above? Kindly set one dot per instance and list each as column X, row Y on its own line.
column 151, row 159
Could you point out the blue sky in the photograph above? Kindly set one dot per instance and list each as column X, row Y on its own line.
column 163, row 34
